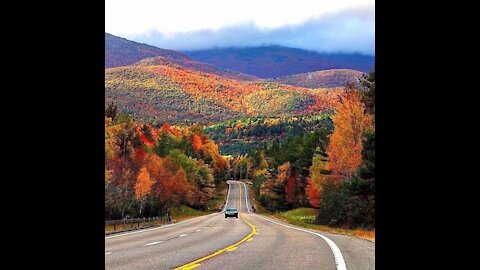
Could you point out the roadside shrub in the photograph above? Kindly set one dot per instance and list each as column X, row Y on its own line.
column 350, row 204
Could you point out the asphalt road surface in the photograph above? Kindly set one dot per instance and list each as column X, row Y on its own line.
column 251, row 241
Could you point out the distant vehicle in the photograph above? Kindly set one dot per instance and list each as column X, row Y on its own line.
column 231, row 212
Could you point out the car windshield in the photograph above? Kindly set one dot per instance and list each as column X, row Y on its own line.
column 231, row 209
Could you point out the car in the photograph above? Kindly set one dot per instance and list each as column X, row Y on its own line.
column 231, row 212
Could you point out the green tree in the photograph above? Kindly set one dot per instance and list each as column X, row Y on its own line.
column 164, row 145
column 369, row 94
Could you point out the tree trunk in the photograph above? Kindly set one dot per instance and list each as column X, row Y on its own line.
column 142, row 204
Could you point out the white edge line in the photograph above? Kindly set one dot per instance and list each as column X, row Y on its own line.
column 153, row 243
column 339, row 261
column 228, row 194
column 182, row 235
column 157, row 228
column 246, row 196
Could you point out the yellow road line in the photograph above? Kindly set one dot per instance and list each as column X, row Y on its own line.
column 195, row 263
column 191, row 266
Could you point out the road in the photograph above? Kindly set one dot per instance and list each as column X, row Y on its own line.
column 251, row 241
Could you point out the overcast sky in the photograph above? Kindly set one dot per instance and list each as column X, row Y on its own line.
column 324, row 26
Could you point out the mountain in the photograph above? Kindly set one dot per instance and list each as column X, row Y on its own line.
column 165, row 92
column 323, row 79
column 276, row 61
column 194, row 65
column 124, row 52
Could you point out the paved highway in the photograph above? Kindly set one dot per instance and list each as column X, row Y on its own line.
column 250, row 242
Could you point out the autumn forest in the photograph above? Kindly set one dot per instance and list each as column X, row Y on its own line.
column 176, row 130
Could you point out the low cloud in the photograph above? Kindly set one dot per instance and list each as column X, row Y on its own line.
column 350, row 31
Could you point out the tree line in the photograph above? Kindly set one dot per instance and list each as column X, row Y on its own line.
column 151, row 169
column 331, row 168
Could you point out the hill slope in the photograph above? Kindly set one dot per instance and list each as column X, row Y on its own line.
column 323, row 79
column 124, row 52
column 276, row 61
column 170, row 93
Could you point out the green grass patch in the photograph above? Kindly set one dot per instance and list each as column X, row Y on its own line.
column 184, row 212
column 301, row 214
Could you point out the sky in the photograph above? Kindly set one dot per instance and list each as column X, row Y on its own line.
column 325, row 26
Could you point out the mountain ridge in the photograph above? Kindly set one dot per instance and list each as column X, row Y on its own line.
column 329, row 78
column 276, row 61
column 123, row 52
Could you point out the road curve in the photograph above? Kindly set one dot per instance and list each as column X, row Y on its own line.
column 275, row 245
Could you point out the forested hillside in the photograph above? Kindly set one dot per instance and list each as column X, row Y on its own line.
column 157, row 93
column 240, row 136
column 323, row 78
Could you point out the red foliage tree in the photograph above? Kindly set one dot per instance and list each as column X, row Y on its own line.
column 313, row 193
column 139, row 155
column 290, row 189
column 196, row 143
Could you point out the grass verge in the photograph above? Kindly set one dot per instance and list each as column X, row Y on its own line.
column 304, row 217
column 184, row 212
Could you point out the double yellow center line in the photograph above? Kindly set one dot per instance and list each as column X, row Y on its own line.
column 197, row 262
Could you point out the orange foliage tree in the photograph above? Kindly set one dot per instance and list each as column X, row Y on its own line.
column 143, row 186
column 170, row 185
column 345, row 147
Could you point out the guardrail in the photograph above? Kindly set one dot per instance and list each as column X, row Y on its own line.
column 123, row 225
